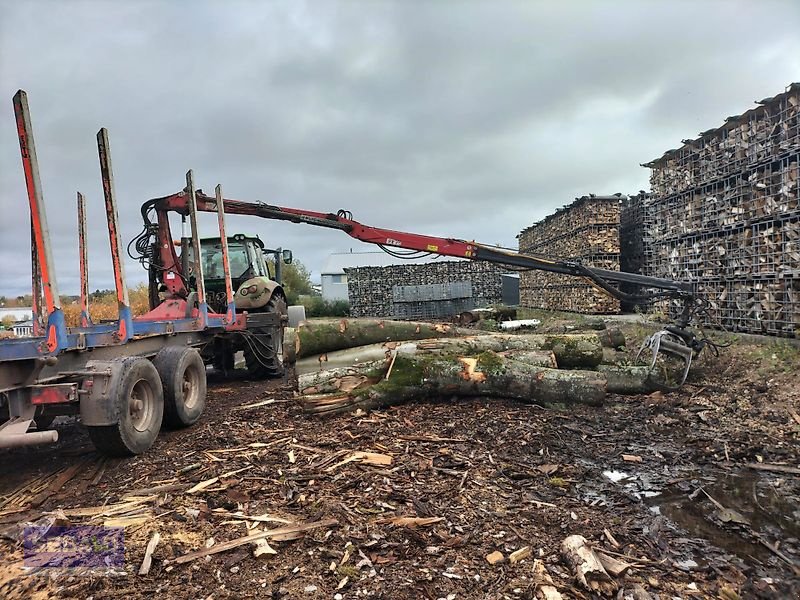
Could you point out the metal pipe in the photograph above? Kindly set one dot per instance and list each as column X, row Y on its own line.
column 34, row 438
column 230, row 313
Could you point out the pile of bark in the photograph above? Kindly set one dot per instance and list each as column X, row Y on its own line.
column 345, row 365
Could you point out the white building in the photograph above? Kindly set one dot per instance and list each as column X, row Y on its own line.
column 334, row 279
column 23, row 329
column 17, row 313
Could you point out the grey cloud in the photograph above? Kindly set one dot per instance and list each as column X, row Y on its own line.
column 413, row 115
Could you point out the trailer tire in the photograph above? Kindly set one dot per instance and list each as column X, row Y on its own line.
column 263, row 347
column 139, row 407
column 183, row 378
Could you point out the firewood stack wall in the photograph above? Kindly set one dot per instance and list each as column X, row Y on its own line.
column 423, row 291
column 586, row 230
column 725, row 213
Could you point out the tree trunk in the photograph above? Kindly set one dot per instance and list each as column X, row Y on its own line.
column 342, row 379
column 498, row 313
column 570, row 350
column 318, row 337
column 488, row 374
column 627, row 380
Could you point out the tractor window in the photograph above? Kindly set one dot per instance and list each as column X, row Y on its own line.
column 212, row 260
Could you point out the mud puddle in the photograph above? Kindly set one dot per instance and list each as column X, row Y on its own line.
column 740, row 512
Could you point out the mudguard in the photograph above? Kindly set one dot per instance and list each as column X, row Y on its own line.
column 255, row 293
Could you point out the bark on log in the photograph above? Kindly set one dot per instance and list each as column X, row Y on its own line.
column 497, row 313
column 318, row 337
column 534, row 358
column 342, row 379
column 627, row 380
column 570, row 350
column 589, row 572
column 487, row 374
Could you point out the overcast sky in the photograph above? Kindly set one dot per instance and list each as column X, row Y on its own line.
column 462, row 119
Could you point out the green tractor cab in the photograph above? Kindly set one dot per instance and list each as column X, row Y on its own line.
column 253, row 281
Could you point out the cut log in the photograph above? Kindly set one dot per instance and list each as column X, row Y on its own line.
column 318, row 337
column 589, row 572
column 570, row 350
column 341, row 379
column 487, row 374
column 497, row 313
column 346, row 358
column 612, row 338
column 520, row 324
column 627, row 380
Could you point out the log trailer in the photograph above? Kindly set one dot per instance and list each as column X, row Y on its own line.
column 127, row 376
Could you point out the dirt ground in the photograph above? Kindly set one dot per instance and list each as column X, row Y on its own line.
column 698, row 490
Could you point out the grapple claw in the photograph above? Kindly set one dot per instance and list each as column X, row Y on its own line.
column 671, row 344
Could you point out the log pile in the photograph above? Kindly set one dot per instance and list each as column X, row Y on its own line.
column 356, row 364
column 586, row 230
column 423, row 291
column 725, row 213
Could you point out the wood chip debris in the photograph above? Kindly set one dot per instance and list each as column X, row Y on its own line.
column 288, row 532
column 147, row 561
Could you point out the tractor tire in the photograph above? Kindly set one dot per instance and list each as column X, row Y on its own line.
column 139, row 404
column 183, row 378
column 296, row 313
column 263, row 347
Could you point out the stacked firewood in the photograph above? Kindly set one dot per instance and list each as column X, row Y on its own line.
column 725, row 213
column 586, row 230
column 434, row 290
column 770, row 130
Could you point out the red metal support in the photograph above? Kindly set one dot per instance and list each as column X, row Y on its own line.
column 196, row 250
column 125, row 328
column 230, row 314
column 36, row 288
column 83, row 252
column 41, row 232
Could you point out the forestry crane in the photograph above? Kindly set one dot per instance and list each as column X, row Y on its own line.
column 676, row 339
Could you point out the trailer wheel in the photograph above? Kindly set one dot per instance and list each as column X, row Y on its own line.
column 263, row 347
column 139, row 405
column 183, row 377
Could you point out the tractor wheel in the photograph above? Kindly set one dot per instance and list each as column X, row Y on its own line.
column 183, row 377
column 139, row 404
column 263, row 347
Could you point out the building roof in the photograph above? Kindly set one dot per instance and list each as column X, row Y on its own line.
column 339, row 261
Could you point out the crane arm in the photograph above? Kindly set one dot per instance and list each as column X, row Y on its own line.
column 390, row 240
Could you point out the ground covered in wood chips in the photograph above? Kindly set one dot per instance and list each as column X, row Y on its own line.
column 698, row 490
